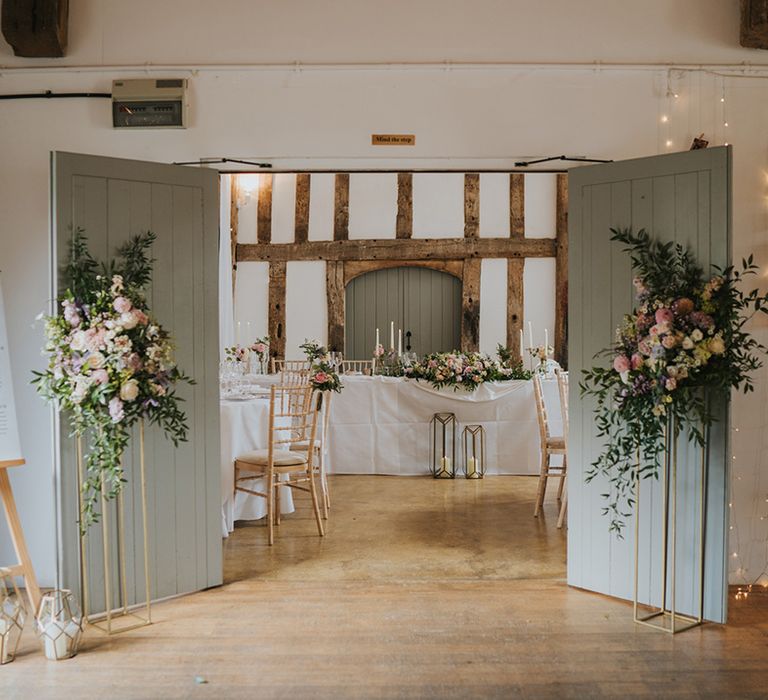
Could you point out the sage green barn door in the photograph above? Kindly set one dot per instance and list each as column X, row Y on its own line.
column 112, row 200
column 425, row 304
column 683, row 197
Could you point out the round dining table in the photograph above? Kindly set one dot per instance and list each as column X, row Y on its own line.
column 244, row 427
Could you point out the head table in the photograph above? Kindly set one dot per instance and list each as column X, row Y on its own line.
column 380, row 425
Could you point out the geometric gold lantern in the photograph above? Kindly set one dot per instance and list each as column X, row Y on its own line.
column 59, row 625
column 473, row 439
column 443, row 445
column 12, row 616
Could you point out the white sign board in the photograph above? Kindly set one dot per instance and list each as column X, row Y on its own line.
column 10, row 449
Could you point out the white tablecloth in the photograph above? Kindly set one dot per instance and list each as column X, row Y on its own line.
column 244, row 427
column 380, row 425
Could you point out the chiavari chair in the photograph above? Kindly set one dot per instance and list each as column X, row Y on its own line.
column 550, row 445
column 293, row 414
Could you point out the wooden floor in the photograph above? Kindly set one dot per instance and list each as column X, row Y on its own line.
column 422, row 589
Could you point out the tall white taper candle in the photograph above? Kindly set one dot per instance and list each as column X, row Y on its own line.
column 391, row 335
column 546, row 343
column 522, row 355
column 530, row 334
column 378, row 342
column 399, row 342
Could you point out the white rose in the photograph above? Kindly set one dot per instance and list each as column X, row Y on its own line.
column 697, row 335
column 687, row 343
column 78, row 341
column 130, row 390
column 128, row 320
column 96, row 360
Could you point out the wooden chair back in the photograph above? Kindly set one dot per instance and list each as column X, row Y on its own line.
column 562, row 386
column 541, row 410
column 293, row 412
column 281, row 366
column 355, row 366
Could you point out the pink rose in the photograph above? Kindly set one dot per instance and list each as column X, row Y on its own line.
column 637, row 361
column 321, row 378
column 100, row 376
column 664, row 316
column 671, row 384
column 669, row 341
column 122, row 305
column 644, row 347
column 621, row 363
column 260, row 348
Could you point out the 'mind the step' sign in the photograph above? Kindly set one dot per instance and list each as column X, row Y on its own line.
column 10, row 449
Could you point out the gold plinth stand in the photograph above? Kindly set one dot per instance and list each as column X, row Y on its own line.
column 122, row 617
column 666, row 618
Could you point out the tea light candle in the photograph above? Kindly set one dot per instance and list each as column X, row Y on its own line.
column 55, row 641
column 6, row 643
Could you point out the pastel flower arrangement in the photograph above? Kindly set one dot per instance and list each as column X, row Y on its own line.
column 322, row 374
column 460, row 370
column 676, row 356
column 541, row 352
column 236, row 353
column 110, row 363
column 260, row 348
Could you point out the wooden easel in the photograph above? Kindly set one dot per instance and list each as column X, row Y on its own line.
column 24, row 567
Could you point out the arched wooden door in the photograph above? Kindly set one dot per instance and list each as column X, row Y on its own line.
column 425, row 303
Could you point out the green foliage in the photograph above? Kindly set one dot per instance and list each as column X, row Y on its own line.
column 110, row 364
column 683, row 347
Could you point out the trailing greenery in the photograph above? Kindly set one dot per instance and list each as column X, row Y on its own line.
column 683, row 346
column 110, row 363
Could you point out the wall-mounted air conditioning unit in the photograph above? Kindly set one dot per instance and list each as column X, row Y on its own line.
column 149, row 103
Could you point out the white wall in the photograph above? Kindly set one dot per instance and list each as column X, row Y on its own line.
column 314, row 118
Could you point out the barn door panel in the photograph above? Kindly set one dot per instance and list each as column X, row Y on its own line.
column 684, row 197
column 113, row 200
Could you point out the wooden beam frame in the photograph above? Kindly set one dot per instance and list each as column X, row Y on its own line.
column 461, row 257
column 334, row 283
column 470, row 305
column 264, row 210
column 515, row 304
column 355, row 268
column 404, row 223
column 276, row 314
column 517, row 206
column 301, row 219
column 754, row 24
column 391, row 248
column 341, row 208
column 471, row 205
column 36, row 28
